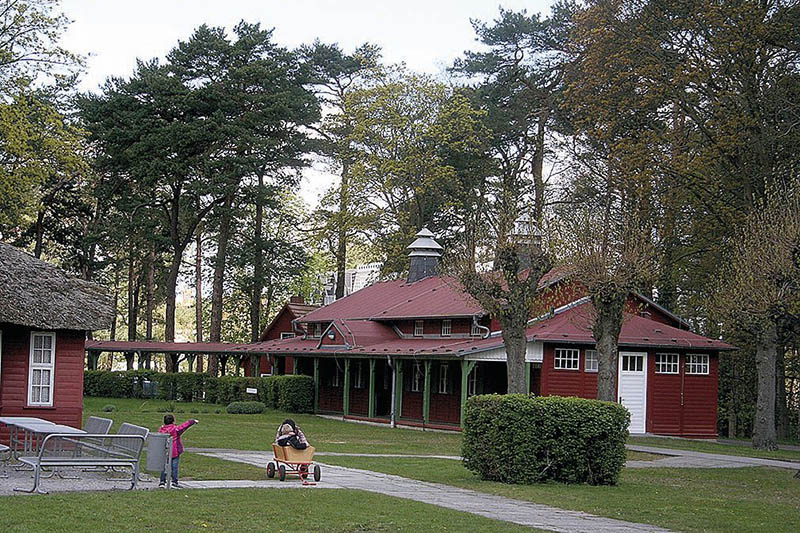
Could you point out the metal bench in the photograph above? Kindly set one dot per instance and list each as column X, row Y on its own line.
column 97, row 425
column 61, row 450
column 5, row 450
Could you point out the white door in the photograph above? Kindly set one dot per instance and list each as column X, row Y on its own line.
column 632, row 386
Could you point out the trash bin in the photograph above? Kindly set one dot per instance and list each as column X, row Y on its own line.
column 159, row 448
column 149, row 389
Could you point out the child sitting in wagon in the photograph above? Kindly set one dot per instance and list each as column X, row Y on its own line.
column 291, row 435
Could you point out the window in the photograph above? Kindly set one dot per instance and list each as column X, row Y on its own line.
column 443, row 388
column 317, row 330
column 359, row 381
column 472, row 382
column 696, row 363
column 475, row 331
column 416, row 378
column 41, row 369
column 286, row 335
column 566, row 359
column 666, row 363
column 447, row 328
column 632, row 363
column 418, row 328
column 590, row 365
column 335, row 377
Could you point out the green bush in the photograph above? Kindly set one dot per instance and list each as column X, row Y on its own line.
column 294, row 393
column 521, row 439
column 245, row 408
column 288, row 393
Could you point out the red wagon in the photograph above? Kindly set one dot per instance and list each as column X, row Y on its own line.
column 295, row 462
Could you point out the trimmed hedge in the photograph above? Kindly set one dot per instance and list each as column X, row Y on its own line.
column 523, row 439
column 245, row 408
column 288, row 393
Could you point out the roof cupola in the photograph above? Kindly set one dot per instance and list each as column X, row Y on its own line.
column 424, row 256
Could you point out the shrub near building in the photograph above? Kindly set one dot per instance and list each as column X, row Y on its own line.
column 521, row 439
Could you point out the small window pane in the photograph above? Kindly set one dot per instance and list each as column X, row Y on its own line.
column 37, row 341
column 45, row 394
column 47, row 341
column 418, row 328
column 36, row 396
column 591, row 361
column 566, row 359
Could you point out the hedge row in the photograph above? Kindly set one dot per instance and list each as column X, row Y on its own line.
column 521, row 439
column 288, row 393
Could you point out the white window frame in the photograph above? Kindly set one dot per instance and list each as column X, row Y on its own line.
column 697, row 364
column 587, row 367
column 317, row 330
column 335, row 380
column 419, row 328
column 567, row 359
column 359, row 381
column 50, row 367
column 443, row 389
column 627, row 357
column 447, row 327
column 287, row 335
column 472, row 382
column 667, row 363
column 416, row 377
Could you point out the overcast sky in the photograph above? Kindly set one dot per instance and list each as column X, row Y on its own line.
column 426, row 35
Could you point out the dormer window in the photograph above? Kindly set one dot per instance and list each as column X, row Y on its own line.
column 418, row 328
column 447, row 327
column 475, row 332
column 317, row 332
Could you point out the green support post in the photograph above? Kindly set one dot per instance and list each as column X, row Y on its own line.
column 527, row 378
column 316, row 384
column 426, row 394
column 346, row 399
column 398, row 389
column 371, row 408
column 466, row 368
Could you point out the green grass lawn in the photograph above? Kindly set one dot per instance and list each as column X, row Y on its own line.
column 234, row 510
column 256, row 432
column 685, row 499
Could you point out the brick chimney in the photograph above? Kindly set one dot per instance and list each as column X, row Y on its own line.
column 297, row 300
column 424, row 256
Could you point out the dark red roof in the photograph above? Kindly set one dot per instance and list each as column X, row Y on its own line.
column 430, row 297
column 574, row 326
column 166, row 347
column 295, row 309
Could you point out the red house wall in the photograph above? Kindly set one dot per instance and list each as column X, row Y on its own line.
column 412, row 405
column 330, row 399
column 67, row 381
column 697, row 417
column 566, row 382
column 446, row 408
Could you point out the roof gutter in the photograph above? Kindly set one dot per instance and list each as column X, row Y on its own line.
column 478, row 326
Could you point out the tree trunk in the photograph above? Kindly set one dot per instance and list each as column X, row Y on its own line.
column 538, row 167
column 39, row 229
column 781, row 408
column 169, row 320
column 115, row 303
column 149, row 302
column 198, row 287
column 341, row 229
column 219, row 275
column 515, row 344
column 258, row 266
column 764, row 437
column 605, row 331
column 132, row 308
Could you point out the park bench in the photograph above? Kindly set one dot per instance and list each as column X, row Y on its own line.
column 87, row 450
column 7, row 451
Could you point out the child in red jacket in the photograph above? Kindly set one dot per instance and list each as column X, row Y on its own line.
column 177, row 446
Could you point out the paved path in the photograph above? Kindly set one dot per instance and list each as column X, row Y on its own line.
column 690, row 459
column 490, row 506
column 672, row 458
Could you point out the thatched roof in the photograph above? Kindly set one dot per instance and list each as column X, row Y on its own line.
column 40, row 295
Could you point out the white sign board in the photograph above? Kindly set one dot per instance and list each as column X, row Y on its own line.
column 251, row 390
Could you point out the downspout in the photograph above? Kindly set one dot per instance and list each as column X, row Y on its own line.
column 392, row 417
column 478, row 326
column 296, row 329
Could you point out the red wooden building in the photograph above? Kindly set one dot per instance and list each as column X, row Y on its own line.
column 44, row 317
column 423, row 346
